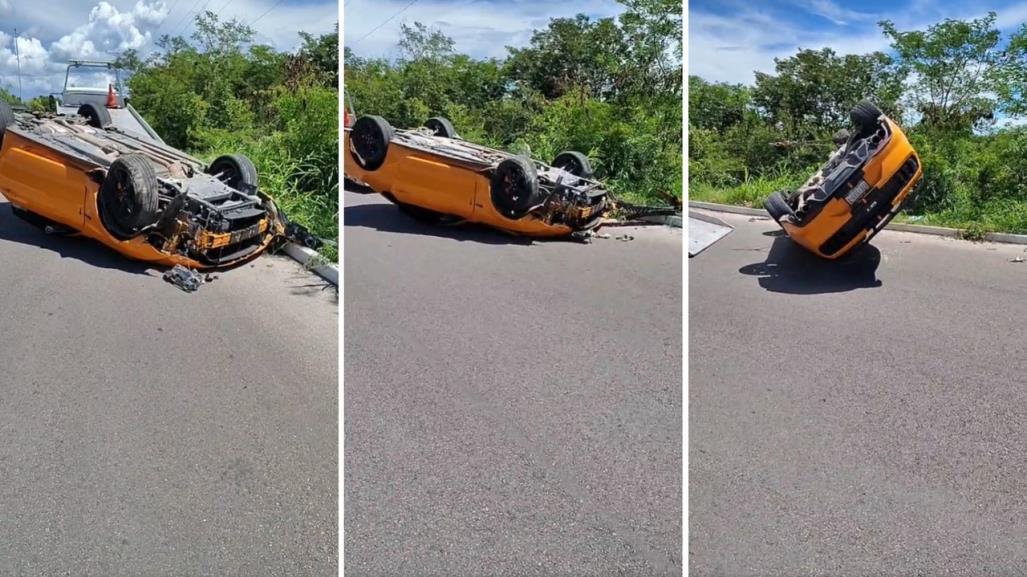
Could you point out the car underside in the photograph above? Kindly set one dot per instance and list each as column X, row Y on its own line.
column 142, row 198
column 515, row 193
column 856, row 193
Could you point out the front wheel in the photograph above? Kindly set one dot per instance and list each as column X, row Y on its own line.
column 515, row 187
column 369, row 141
column 128, row 195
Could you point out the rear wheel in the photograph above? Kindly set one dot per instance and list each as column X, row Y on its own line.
column 575, row 163
column 515, row 187
column 128, row 195
column 95, row 115
column 369, row 141
column 235, row 170
column 865, row 116
column 777, row 206
column 441, row 127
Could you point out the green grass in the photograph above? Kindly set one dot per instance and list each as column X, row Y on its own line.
column 315, row 205
column 975, row 220
column 750, row 193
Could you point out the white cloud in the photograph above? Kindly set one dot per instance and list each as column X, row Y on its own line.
column 110, row 30
column 58, row 30
column 830, row 10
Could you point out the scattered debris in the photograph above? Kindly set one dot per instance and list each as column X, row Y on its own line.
column 915, row 218
column 184, row 278
column 625, row 237
column 758, row 218
column 602, row 235
column 1016, row 259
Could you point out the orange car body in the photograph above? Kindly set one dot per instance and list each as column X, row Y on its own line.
column 64, row 188
column 444, row 184
column 864, row 203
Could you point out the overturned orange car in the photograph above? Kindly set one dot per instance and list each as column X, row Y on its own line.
column 140, row 197
column 432, row 174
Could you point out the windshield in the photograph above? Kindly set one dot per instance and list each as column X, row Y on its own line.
column 91, row 78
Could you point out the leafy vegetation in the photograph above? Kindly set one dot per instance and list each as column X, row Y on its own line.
column 218, row 93
column 958, row 87
column 608, row 87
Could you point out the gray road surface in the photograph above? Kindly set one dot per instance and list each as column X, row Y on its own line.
column 146, row 431
column 513, row 408
column 862, row 418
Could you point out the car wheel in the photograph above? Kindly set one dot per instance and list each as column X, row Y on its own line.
column 128, row 195
column 865, row 116
column 369, row 141
column 441, row 127
column 235, row 170
column 95, row 115
column 777, row 206
column 515, row 187
column 575, row 163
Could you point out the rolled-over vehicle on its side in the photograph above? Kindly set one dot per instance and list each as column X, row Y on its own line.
column 138, row 196
column 432, row 174
column 856, row 193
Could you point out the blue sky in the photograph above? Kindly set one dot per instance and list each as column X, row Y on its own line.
column 480, row 28
column 728, row 40
column 52, row 31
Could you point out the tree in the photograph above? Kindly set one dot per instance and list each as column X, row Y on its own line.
column 322, row 52
column 960, row 77
column 571, row 55
column 418, row 42
column 716, row 105
column 9, row 98
column 815, row 89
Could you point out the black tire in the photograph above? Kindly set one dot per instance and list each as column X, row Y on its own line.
column 865, row 117
column 575, row 163
column 237, row 171
column 441, row 127
column 6, row 119
column 95, row 115
column 128, row 195
column 777, row 206
column 515, row 187
column 369, row 140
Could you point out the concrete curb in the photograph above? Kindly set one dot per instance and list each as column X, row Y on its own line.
column 303, row 255
column 1001, row 237
column 669, row 220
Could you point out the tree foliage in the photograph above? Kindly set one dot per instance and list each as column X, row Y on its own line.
column 958, row 86
column 218, row 92
column 610, row 88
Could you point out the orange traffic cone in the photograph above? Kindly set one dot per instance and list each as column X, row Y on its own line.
column 112, row 98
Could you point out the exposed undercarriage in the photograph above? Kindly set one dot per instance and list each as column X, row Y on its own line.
column 213, row 215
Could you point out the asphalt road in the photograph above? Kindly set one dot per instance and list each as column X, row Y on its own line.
column 512, row 408
column 859, row 418
column 147, row 431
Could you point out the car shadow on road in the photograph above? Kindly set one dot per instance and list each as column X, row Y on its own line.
column 791, row 269
column 388, row 218
column 14, row 229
